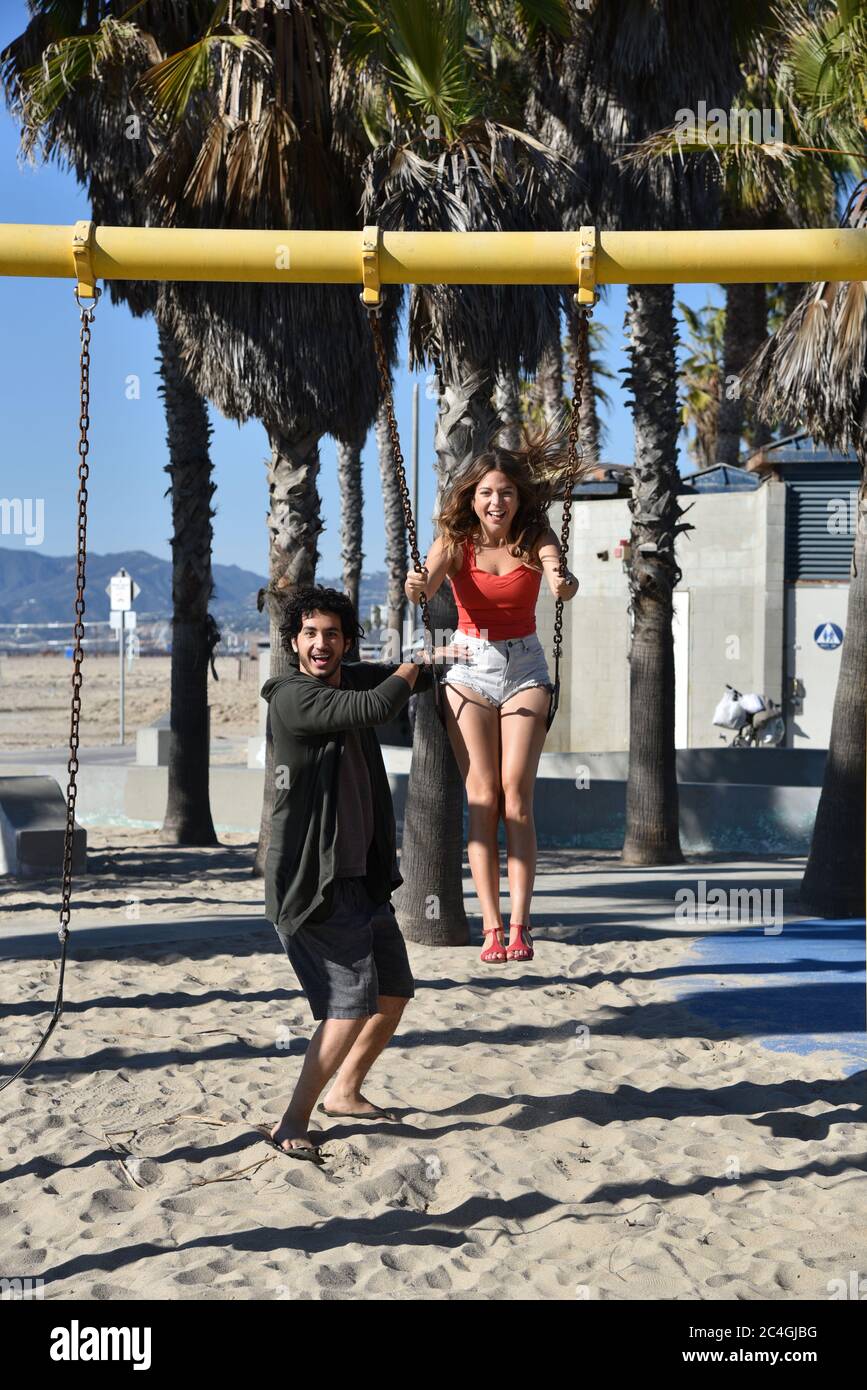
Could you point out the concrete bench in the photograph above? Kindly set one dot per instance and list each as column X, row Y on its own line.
column 152, row 743
column 32, row 829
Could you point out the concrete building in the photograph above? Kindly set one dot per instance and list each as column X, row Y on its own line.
column 761, row 604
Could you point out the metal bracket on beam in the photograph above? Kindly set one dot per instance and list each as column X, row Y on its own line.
column 586, row 262
column 370, row 296
column 82, row 256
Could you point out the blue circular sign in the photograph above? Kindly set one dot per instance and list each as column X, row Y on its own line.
column 828, row 636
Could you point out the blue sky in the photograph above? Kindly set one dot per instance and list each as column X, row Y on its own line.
column 128, row 511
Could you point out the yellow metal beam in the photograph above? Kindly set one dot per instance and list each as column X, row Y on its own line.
column 457, row 258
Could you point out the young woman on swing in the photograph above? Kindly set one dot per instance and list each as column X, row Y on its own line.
column 495, row 544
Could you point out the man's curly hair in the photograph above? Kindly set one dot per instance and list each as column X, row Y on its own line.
column 315, row 599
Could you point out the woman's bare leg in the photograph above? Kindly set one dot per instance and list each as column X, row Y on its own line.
column 473, row 729
column 522, row 731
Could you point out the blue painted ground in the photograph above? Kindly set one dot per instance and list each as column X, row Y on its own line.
column 799, row 991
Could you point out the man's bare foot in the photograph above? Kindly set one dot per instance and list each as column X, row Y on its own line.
column 356, row 1105
column 290, row 1135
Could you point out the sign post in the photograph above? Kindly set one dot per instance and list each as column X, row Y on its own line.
column 122, row 589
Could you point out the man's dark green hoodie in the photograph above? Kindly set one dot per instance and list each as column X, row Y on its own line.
column 309, row 719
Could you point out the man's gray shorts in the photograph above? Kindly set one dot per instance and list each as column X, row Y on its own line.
column 344, row 963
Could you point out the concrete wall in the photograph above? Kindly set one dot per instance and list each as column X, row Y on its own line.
column 733, row 571
column 598, row 635
column 753, row 801
column 733, row 568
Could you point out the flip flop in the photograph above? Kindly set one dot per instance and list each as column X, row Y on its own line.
column 354, row 1115
column 308, row 1153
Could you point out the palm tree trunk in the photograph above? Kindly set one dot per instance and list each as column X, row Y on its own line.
column 833, row 882
column 429, row 904
column 396, row 541
column 294, row 524
column 194, row 634
column 652, row 813
column 507, row 403
column 745, row 331
column 545, row 395
column 351, row 515
column 550, row 378
column 762, row 434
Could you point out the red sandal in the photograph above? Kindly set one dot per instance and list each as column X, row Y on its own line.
column 523, row 948
column 496, row 950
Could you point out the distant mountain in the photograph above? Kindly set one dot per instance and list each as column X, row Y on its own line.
column 38, row 588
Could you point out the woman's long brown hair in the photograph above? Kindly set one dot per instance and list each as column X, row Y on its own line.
column 536, row 466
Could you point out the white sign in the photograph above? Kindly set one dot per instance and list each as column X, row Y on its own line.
column 129, row 619
column 122, row 589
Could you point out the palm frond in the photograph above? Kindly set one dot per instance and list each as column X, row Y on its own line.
column 756, row 175
column 174, row 82
column 814, row 368
column 823, row 63
column 428, row 60
column 40, row 89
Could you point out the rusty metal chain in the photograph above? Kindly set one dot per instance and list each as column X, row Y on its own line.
column 573, row 463
column 572, row 460
column 77, row 657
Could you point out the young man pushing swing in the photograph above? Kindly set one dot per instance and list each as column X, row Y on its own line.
column 332, row 862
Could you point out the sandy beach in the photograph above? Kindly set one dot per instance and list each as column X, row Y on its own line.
column 569, row 1129
column 43, row 682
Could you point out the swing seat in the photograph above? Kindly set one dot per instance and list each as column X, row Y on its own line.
column 32, row 829
column 552, row 708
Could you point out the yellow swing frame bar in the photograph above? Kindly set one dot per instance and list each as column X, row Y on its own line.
column 89, row 252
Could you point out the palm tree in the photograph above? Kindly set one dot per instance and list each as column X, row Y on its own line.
column 194, row 632
column 395, row 536
column 443, row 162
column 622, row 73
column 701, row 370
column 769, row 183
column 246, row 134
column 349, row 485
column 543, row 399
column 507, row 405
column 815, row 368
column 71, row 81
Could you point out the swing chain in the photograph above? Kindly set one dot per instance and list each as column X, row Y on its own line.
column 78, row 627
column 583, row 312
column 78, row 633
column 396, row 452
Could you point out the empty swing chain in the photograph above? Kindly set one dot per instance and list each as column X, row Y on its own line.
column 583, row 327
column 78, row 628
column 77, row 656
column 397, row 455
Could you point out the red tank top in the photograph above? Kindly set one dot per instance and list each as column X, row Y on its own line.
column 504, row 605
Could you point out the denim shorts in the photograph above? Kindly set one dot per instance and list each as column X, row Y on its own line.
column 500, row 669
column 344, row 963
